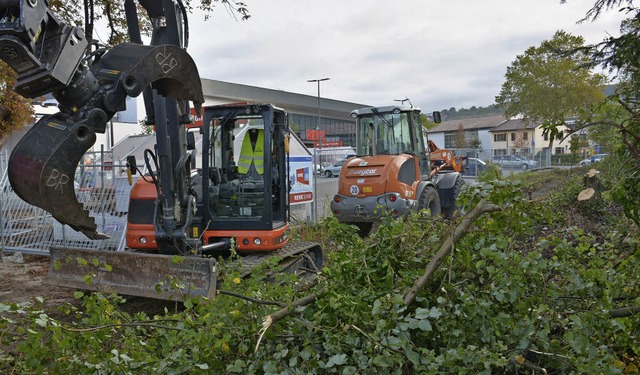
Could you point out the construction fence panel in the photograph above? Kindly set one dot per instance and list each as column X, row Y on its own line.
column 102, row 188
column 538, row 158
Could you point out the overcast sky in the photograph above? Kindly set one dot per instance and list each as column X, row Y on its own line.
column 439, row 54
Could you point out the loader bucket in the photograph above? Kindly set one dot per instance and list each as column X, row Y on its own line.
column 132, row 273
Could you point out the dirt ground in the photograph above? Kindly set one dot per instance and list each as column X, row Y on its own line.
column 22, row 282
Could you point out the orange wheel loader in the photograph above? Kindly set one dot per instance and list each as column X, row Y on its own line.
column 393, row 172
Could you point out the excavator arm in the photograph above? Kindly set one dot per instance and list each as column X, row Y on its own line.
column 51, row 57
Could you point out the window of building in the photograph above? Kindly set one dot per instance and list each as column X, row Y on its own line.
column 546, row 136
column 335, row 129
column 525, row 136
column 500, row 137
column 513, row 137
column 450, row 140
column 559, row 150
column 471, row 136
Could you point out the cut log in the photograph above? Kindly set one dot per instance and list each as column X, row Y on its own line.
column 586, row 194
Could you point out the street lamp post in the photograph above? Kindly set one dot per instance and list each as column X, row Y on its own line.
column 314, row 207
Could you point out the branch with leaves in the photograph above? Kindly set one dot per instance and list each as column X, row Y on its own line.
column 467, row 220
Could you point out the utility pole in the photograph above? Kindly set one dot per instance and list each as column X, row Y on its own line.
column 314, row 207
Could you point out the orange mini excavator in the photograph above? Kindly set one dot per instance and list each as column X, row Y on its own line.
column 177, row 211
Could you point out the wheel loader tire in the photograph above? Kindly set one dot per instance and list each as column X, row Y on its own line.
column 363, row 229
column 430, row 200
column 450, row 211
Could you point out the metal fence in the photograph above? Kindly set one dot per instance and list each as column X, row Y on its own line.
column 103, row 190
column 541, row 156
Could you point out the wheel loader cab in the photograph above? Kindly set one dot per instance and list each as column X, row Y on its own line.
column 390, row 131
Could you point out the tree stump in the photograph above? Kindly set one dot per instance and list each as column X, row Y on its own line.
column 592, row 184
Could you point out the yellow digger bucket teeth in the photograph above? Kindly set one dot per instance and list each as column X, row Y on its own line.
column 131, row 273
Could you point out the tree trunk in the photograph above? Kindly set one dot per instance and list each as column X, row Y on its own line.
column 466, row 222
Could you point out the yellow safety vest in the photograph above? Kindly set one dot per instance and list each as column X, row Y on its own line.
column 250, row 155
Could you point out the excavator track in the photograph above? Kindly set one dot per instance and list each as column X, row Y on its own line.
column 296, row 257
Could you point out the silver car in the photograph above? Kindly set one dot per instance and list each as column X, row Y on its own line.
column 593, row 159
column 334, row 170
column 514, row 161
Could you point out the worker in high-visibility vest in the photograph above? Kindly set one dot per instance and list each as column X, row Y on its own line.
column 252, row 152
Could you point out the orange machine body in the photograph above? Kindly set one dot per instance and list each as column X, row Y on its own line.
column 140, row 233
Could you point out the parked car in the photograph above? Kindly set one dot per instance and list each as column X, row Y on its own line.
column 593, row 159
column 514, row 161
column 473, row 167
column 334, row 170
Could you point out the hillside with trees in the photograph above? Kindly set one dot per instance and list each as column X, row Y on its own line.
column 453, row 113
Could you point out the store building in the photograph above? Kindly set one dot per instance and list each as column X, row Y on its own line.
column 336, row 127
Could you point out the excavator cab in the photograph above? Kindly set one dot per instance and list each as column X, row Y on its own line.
column 241, row 187
column 245, row 170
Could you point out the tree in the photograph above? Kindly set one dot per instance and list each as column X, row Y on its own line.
column 461, row 140
column 621, row 56
column 15, row 110
column 72, row 13
column 546, row 86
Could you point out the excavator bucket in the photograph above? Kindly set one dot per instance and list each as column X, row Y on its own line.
column 42, row 165
column 42, row 168
column 130, row 273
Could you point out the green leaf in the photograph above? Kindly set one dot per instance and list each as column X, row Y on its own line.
column 81, row 261
column 422, row 313
column 336, row 360
column 425, row 325
column 188, row 303
column 435, row 313
column 177, row 259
